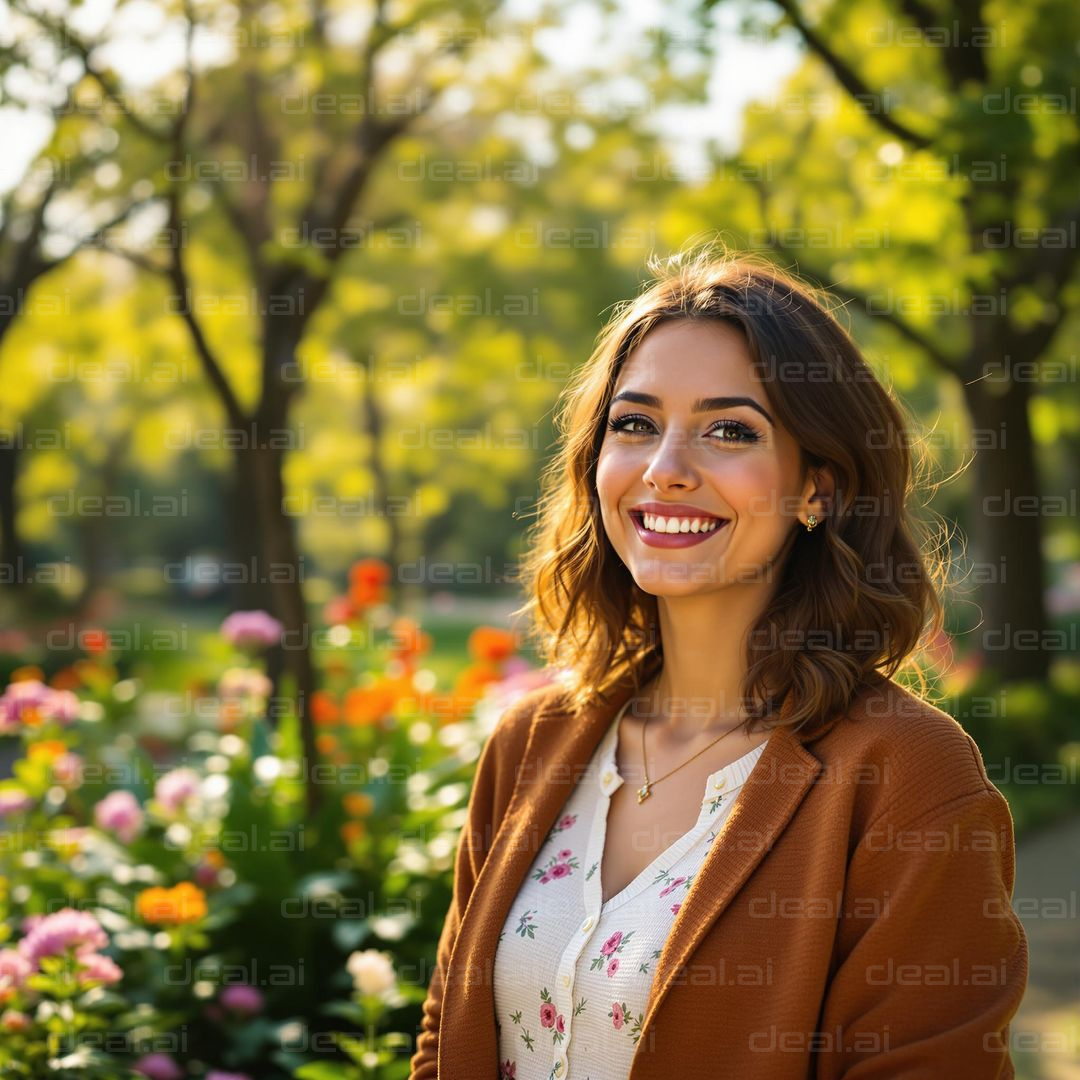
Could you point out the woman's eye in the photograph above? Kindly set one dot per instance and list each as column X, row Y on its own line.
column 625, row 423
column 738, row 432
column 730, row 431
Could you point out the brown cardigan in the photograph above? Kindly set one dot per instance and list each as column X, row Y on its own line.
column 853, row 919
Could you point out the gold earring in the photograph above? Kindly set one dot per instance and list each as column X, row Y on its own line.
column 811, row 521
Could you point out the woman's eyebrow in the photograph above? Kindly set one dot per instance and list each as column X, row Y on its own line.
column 712, row 404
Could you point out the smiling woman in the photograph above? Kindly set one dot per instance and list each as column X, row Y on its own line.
column 728, row 842
column 729, row 389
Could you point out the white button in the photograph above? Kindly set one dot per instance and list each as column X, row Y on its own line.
column 586, row 924
column 566, row 980
column 719, row 783
column 607, row 778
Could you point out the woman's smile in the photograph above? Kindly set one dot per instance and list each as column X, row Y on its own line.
column 674, row 531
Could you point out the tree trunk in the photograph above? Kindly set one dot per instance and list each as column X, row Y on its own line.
column 12, row 553
column 280, row 547
column 374, row 421
column 249, row 576
column 1007, row 521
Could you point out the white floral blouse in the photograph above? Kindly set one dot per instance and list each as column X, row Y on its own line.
column 572, row 974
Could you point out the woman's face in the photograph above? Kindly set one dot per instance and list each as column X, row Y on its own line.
column 727, row 466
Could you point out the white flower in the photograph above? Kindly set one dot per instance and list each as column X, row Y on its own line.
column 372, row 972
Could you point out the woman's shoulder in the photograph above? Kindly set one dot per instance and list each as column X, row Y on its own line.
column 509, row 737
column 906, row 755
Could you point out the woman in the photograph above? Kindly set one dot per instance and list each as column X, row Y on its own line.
column 727, row 842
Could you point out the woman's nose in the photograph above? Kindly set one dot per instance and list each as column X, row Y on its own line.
column 671, row 463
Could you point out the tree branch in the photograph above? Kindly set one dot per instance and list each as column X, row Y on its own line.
column 853, row 83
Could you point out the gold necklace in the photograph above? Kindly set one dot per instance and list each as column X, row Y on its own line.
column 644, row 791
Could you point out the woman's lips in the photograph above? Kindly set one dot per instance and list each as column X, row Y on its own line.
column 673, row 540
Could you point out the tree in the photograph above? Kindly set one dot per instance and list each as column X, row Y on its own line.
column 964, row 117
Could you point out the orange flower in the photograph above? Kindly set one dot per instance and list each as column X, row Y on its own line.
column 326, row 744
column 94, row 640
column 409, row 639
column 492, row 644
column 215, row 859
column 230, row 713
column 66, row 679
column 368, row 579
column 48, row 749
column 369, row 704
column 324, row 709
column 26, row 673
column 183, row 903
column 358, row 803
column 338, row 610
column 352, row 831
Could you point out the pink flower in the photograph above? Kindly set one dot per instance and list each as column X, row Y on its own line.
column 119, row 812
column 611, row 944
column 545, row 878
column 158, row 1067
column 31, row 695
column 508, row 1070
column 217, row 1074
column 15, row 969
column 252, row 630
column 67, row 928
column 13, row 1020
column 96, row 968
column 61, row 706
column 565, row 853
column 241, row 998
column 14, row 800
column 206, row 875
column 560, row 1024
column 675, row 908
column 68, row 769
column 612, row 967
column 567, row 820
column 560, row 869
column 673, row 886
column 175, row 788
column 616, row 1015
column 547, row 1014
column 244, row 682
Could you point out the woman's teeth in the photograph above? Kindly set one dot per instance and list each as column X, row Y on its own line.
column 655, row 523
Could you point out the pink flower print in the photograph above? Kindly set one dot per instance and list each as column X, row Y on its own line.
column 616, row 1015
column 560, row 1024
column 613, row 967
column 566, row 821
column 508, row 1070
column 675, row 908
column 547, row 1014
column 611, row 944
column 559, row 866
column 673, row 886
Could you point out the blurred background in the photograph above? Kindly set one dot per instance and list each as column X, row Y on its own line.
column 287, row 295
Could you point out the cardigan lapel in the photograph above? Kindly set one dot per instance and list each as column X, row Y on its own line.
column 558, row 751
column 766, row 803
column 559, row 748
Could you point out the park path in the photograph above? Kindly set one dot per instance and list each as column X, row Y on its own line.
column 1045, row 1034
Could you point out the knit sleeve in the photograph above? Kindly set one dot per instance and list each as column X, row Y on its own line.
column 492, row 787
column 931, row 961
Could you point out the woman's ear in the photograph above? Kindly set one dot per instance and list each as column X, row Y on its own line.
column 819, row 493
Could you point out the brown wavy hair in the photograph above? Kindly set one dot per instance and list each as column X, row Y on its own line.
column 860, row 581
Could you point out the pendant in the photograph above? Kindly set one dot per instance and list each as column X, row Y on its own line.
column 643, row 792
